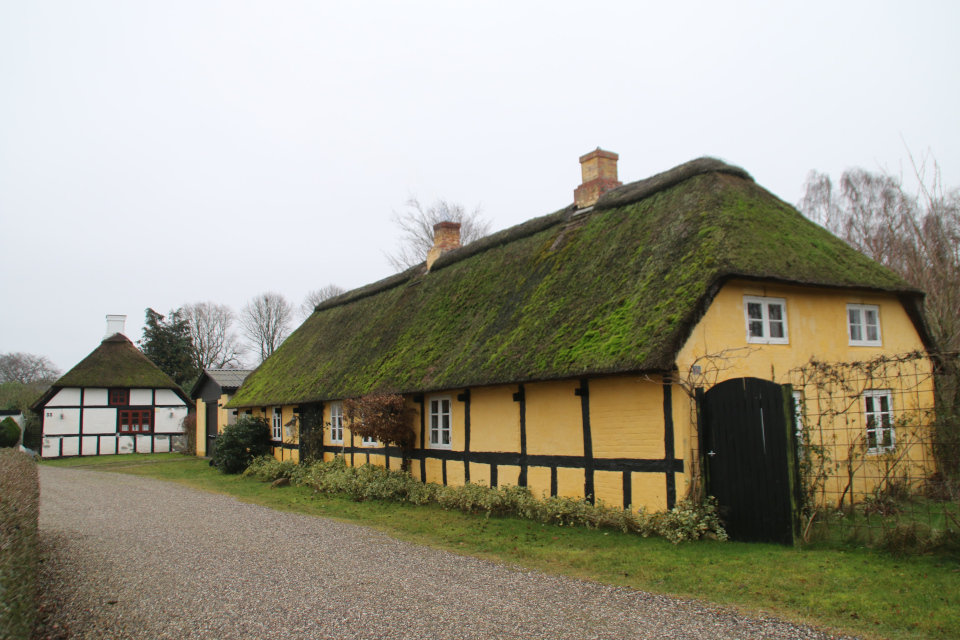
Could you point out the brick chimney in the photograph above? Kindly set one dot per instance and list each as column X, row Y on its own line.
column 599, row 169
column 446, row 237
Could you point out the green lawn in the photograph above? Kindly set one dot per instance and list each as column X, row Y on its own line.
column 855, row 590
column 114, row 461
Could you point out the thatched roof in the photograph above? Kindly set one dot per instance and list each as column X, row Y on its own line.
column 613, row 289
column 115, row 363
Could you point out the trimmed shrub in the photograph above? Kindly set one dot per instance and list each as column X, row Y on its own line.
column 9, row 432
column 32, row 431
column 189, row 424
column 238, row 444
column 268, row 469
column 19, row 514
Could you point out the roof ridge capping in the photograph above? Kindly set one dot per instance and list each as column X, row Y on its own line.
column 636, row 191
column 621, row 196
column 505, row 236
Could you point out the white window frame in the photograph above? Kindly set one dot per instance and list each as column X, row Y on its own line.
column 435, row 432
column 368, row 442
column 336, row 423
column 862, row 326
column 276, row 433
column 765, row 319
column 873, row 397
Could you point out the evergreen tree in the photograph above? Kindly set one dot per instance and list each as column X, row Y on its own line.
column 166, row 341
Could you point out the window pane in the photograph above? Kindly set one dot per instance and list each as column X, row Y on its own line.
column 856, row 331
column 775, row 311
column 446, row 437
column 755, row 314
column 446, row 406
column 434, row 406
column 776, row 329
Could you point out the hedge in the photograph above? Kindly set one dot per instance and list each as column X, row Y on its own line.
column 19, row 516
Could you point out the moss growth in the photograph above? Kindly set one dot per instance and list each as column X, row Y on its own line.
column 616, row 290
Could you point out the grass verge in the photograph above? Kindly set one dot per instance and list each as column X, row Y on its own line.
column 117, row 460
column 855, row 590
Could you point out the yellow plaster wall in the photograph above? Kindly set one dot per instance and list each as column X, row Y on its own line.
column 201, row 429
column 650, row 491
column 554, row 419
column 538, row 479
column 816, row 329
column 570, row 482
column 494, row 419
column 455, row 475
column 507, row 474
column 626, row 418
column 608, row 486
column 480, row 473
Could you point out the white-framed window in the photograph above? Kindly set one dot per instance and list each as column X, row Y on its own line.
column 368, row 442
column 863, row 325
column 766, row 320
column 440, row 433
column 878, row 416
column 336, row 423
column 277, row 423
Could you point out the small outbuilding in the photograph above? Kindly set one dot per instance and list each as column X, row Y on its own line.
column 211, row 392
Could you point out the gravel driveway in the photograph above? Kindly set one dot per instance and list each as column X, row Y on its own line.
column 133, row 557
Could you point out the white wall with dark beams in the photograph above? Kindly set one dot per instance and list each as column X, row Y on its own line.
column 80, row 421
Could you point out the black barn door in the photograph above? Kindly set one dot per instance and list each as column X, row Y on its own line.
column 211, row 428
column 750, row 462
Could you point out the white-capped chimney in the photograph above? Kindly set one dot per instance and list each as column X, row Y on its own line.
column 115, row 325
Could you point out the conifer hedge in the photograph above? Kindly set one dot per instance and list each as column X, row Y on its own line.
column 19, row 516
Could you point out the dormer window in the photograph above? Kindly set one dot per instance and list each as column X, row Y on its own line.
column 766, row 320
column 863, row 325
column 119, row 396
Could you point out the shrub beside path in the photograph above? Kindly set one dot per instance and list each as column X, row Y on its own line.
column 131, row 557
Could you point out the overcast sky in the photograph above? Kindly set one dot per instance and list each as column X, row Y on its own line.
column 157, row 153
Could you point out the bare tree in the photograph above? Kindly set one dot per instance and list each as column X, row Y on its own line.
column 215, row 345
column 917, row 235
column 27, row 368
column 266, row 322
column 416, row 229
column 317, row 296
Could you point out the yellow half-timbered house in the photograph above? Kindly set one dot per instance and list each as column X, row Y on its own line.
column 567, row 353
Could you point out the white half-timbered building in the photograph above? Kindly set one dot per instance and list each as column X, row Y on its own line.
column 114, row 401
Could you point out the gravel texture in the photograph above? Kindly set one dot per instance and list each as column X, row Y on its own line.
column 131, row 557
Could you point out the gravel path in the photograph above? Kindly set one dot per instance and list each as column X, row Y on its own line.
column 134, row 557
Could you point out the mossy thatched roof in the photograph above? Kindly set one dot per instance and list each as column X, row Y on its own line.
column 115, row 363
column 616, row 288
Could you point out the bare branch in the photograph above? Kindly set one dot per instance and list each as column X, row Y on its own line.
column 27, row 368
column 416, row 229
column 215, row 345
column 917, row 235
column 265, row 321
column 317, row 296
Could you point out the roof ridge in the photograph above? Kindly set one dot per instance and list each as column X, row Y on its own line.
column 636, row 191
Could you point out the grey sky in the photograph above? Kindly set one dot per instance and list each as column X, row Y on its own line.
column 158, row 153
